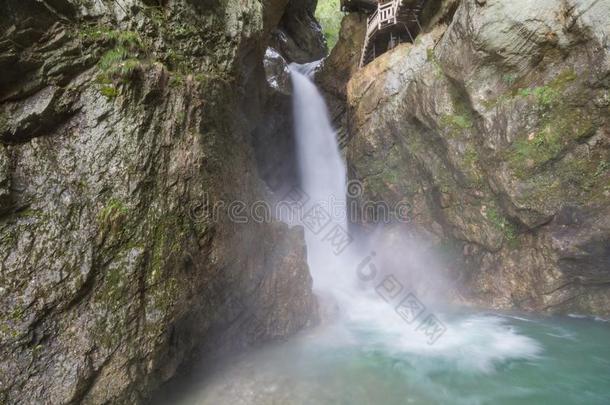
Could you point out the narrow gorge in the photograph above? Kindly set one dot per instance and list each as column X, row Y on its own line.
column 304, row 202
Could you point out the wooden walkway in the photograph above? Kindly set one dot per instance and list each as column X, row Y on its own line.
column 389, row 24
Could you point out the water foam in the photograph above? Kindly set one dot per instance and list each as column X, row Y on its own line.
column 472, row 344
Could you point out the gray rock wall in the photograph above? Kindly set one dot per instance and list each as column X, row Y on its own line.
column 495, row 127
column 121, row 127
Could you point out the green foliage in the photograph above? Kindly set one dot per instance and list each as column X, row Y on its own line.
column 550, row 93
column 113, row 209
column 501, row 223
column 129, row 39
column 116, row 64
column 213, row 77
column 167, row 239
column 119, row 63
column 114, row 288
column 546, row 96
column 457, row 121
column 581, row 176
column 602, row 168
column 185, row 31
column 156, row 15
column 129, row 67
column 529, row 153
column 112, row 58
column 431, row 57
column 461, row 119
column 509, row 79
column 176, row 61
column 17, row 313
column 176, row 80
column 561, row 123
column 560, row 128
column 470, row 156
column 329, row 15
column 112, row 216
column 109, row 92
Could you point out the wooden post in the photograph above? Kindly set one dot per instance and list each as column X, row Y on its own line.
column 409, row 32
column 418, row 24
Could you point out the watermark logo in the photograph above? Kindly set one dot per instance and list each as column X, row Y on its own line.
column 355, row 189
column 405, row 303
column 325, row 219
column 297, row 206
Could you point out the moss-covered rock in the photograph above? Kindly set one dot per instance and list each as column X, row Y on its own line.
column 118, row 124
column 496, row 127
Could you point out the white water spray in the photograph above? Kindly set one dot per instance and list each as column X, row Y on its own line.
column 323, row 179
column 369, row 354
column 364, row 308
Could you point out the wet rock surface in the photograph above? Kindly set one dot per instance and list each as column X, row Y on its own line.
column 123, row 128
column 299, row 37
column 495, row 128
column 337, row 69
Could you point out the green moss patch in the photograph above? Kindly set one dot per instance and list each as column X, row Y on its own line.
column 120, row 63
column 461, row 119
column 117, row 65
column 546, row 95
column 112, row 217
column 562, row 122
column 109, row 92
column 550, row 93
column 457, row 122
column 501, row 223
column 562, row 127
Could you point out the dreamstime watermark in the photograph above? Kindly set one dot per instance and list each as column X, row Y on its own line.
column 291, row 207
column 327, row 221
column 407, row 306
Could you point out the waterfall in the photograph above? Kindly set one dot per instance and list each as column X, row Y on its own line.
column 380, row 339
column 321, row 167
column 395, row 307
column 323, row 181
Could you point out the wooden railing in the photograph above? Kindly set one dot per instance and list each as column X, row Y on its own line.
column 387, row 13
column 384, row 15
column 387, row 17
column 372, row 23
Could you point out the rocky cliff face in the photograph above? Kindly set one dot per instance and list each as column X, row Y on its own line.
column 298, row 36
column 339, row 67
column 123, row 128
column 495, row 126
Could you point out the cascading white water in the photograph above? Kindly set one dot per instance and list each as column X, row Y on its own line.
column 369, row 354
column 323, row 179
column 323, row 175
